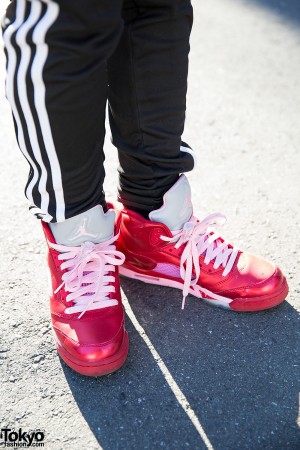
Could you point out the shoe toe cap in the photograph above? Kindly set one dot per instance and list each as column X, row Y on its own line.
column 89, row 343
column 258, row 277
column 255, row 285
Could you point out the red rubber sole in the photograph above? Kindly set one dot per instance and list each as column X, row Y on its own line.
column 99, row 368
column 260, row 303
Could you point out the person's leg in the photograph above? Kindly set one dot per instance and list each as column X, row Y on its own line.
column 147, row 99
column 163, row 242
column 57, row 54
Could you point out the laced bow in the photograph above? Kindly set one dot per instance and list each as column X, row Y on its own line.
column 87, row 278
column 200, row 239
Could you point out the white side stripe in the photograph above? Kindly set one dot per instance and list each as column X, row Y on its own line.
column 23, row 96
column 37, row 68
column 180, row 397
column 11, row 68
column 22, row 28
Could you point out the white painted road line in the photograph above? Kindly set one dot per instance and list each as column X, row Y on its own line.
column 180, row 397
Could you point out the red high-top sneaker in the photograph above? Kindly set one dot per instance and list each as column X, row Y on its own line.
column 85, row 301
column 175, row 249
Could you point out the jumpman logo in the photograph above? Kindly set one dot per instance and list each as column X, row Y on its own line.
column 82, row 231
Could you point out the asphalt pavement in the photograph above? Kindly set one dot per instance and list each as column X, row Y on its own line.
column 202, row 377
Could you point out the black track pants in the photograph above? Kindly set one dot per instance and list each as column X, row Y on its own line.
column 65, row 59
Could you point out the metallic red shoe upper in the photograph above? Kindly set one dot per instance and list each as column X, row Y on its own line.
column 149, row 252
column 94, row 336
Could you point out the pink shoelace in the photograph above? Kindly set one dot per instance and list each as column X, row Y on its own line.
column 200, row 239
column 88, row 278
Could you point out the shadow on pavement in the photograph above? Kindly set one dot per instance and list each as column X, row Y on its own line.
column 288, row 9
column 238, row 371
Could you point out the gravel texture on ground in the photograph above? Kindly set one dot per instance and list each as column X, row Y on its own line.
column 239, row 373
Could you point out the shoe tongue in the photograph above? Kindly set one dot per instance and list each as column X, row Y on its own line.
column 177, row 207
column 93, row 226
